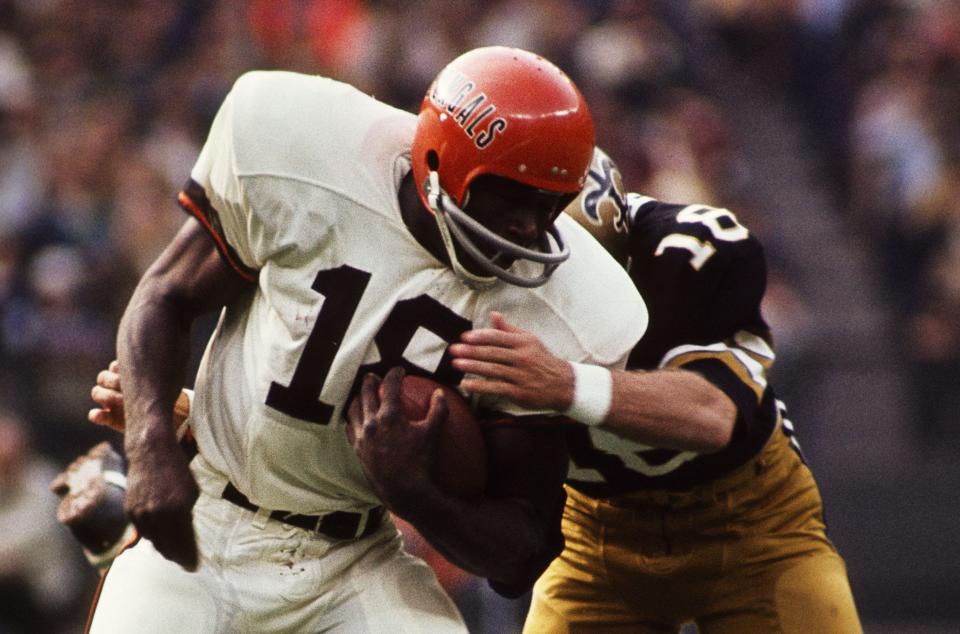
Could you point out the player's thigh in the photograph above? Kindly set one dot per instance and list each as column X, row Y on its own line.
column 567, row 599
column 392, row 591
column 815, row 596
column 803, row 594
column 577, row 592
column 144, row 593
column 784, row 574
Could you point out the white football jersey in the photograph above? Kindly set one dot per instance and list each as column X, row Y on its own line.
column 301, row 176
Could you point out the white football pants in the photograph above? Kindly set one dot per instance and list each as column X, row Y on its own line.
column 272, row 579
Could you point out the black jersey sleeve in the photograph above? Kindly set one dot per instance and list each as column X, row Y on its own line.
column 703, row 276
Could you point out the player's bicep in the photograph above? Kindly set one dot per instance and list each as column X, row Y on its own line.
column 193, row 199
column 728, row 338
column 737, row 366
column 191, row 274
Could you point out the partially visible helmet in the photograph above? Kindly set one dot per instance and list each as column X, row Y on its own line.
column 504, row 112
column 602, row 207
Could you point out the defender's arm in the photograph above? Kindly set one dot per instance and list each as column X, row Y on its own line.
column 670, row 409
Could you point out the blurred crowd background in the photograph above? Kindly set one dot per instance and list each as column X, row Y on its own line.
column 830, row 127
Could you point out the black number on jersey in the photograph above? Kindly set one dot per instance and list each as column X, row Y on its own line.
column 723, row 225
column 342, row 289
column 407, row 317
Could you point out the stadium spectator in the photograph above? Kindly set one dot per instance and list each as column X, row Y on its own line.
column 40, row 575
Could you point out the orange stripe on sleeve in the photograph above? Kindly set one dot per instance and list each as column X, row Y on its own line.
column 187, row 203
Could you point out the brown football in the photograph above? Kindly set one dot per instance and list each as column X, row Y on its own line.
column 461, row 466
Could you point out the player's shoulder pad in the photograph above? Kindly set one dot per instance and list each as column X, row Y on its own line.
column 301, row 126
column 595, row 298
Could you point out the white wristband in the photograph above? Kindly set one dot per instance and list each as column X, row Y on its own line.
column 592, row 393
column 116, row 478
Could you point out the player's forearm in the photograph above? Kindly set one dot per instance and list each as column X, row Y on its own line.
column 499, row 539
column 670, row 409
column 512, row 533
column 153, row 348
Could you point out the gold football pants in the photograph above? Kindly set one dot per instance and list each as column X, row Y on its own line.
column 746, row 554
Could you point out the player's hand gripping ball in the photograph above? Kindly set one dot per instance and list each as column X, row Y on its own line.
column 461, row 460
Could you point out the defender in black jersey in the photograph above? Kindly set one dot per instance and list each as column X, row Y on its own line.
column 688, row 500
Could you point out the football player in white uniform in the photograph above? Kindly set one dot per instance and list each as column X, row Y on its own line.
column 688, row 497
column 342, row 238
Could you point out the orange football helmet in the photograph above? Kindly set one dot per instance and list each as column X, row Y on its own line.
column 504, row 112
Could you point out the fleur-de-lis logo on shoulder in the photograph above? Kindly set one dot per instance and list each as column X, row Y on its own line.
column 603, row 199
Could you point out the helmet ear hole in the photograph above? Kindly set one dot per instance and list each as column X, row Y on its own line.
column 433, row 160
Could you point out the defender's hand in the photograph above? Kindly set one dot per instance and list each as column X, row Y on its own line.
column 109, row 396
column 160, row 497
column 513, row 363
column 91, row 492
column 396, row 453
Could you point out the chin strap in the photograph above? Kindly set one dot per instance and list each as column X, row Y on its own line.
column 453, row 232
